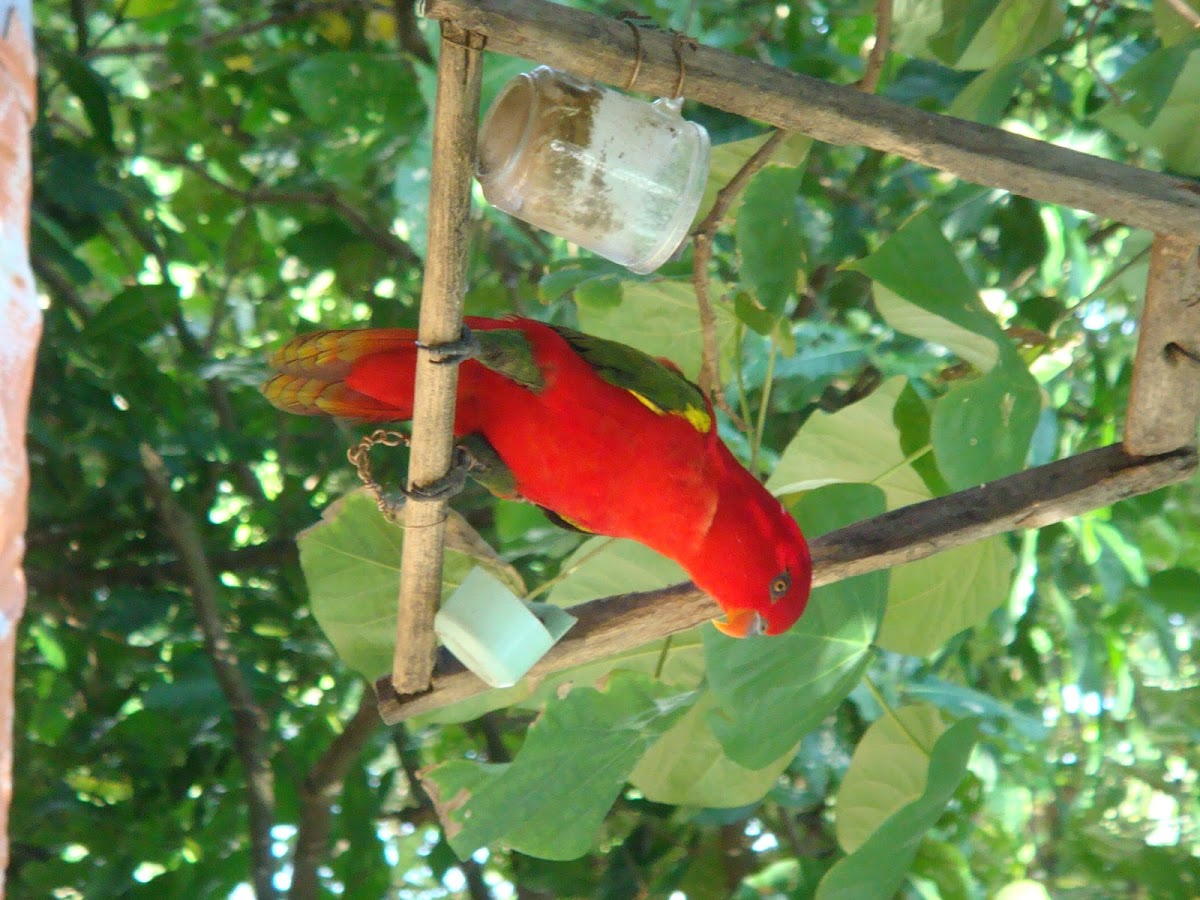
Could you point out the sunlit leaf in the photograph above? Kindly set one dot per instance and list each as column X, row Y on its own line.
column 687, row 766
column 1160, row 105
column 351, row 561
column 932, row 599
column 770, row 242
column 982, row 427
column 857, row 444
column 576, row 757
column 904, row 785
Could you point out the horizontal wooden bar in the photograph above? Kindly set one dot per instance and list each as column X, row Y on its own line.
column 604, row 49
column 1029, row 499
column 1164, row 396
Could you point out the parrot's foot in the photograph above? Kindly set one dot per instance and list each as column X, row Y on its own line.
column 466, row 347
column 449, row 484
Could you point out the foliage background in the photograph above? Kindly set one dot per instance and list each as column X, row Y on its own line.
column 212, row 177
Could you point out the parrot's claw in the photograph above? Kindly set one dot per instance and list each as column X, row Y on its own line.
column 466, row 347
column 449, row 484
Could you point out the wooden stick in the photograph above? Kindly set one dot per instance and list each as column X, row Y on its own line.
column 603, row 49
column 456, row 118
column 1028, row 499
column 1164, row 397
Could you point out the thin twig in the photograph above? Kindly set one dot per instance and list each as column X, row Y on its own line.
column 318, row 793
column 710, row 367
column 1191, row 16
column 869, row 83
column 250, row 723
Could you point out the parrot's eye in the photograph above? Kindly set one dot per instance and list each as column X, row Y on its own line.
column 780, row 586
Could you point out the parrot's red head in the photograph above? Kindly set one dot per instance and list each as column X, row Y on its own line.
column 756, row 564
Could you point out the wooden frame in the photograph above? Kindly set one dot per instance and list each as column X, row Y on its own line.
column 1159, row 448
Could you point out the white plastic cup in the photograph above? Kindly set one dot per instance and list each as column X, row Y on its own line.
column 619, row 176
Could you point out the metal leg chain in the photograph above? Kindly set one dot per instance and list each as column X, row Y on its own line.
column 389, row 502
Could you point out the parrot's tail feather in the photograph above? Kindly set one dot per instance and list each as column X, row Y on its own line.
column 363, row 374
column 314, row 397
column 330, row 355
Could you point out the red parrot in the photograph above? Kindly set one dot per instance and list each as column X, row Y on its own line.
column 606, row 438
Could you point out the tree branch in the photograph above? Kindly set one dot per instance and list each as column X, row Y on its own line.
column 318, row 792
column 601, row 48
column 1030, row 499
column 250, row 724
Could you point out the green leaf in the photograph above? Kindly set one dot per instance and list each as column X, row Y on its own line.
column 858, row 444
column 351, row 562
column 1172, row 27
column 687, row 766
column 982, row 427
column 921, row 289
column 727, row 159
column 359, row 90
column 92, row 91
column 987, row 97
column 793, row 680
column 1177, row 591
column 1160, row 106
column 933, row 599
column 140, row 9
column 980, row 34
column 659, row 317
column 134, row 315
column 549, row 802
column 770, row 241
column 912, row 420
column 603, row 566
column 899, row 745
column 878, row 864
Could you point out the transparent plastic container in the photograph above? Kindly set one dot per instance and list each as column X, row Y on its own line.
column 619, row 176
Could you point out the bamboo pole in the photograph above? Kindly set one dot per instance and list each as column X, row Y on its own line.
column 604, row 49
column 1164, row 396
column 456, row 118
column 1029, row 499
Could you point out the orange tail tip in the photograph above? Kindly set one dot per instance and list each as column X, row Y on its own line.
column 330, row 355
column 314, row 397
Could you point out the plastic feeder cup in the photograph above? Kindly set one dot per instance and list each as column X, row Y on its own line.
column 494, row 633
column 615, row 174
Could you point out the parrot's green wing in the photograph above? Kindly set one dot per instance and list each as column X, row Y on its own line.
column 659, row 386
column 507, row 351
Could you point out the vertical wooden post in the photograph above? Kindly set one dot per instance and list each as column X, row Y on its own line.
column 1164, row 398
column 456, row 120
column 20, row 328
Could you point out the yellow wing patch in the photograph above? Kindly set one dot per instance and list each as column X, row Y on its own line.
column 697, row 416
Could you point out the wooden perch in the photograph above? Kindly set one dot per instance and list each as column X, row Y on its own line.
column 1164, row 397
column 1029, row 499
column 604, row 49
column 460, row 67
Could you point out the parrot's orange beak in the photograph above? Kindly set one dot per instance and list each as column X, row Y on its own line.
column 740, row 623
